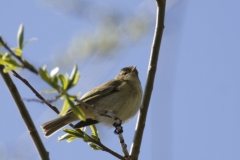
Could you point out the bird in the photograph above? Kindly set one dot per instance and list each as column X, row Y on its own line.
column 121, row 96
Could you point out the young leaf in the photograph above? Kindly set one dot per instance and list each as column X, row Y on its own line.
column 94, row 146
column 5, row 62
column 64, row 81
column 55, row 80
column 20, row 36
column 64, row 108
column 73, row 97
column 18, row 52
column 46, row 77
column 94, row 131
column 65, row 136
column 6, row 56
column 74, row 77
column 71, row 139
column 28, row 41
column 10, row 68
column 9, row 62
column 85, row 137
column 73, row 132
column 76, row 110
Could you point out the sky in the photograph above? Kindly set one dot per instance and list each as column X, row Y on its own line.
column 194, row 111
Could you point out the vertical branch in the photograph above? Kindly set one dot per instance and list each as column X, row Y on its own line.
column 135, row 149
column 25, row 115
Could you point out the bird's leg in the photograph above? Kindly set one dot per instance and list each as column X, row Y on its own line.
column 118, row 122
column 118, row 125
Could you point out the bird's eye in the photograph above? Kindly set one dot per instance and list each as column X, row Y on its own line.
column 124, row 73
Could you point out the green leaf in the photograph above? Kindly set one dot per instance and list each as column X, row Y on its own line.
column 7, row 69
column 46, row 77
column 73, row 132
column 9, row 62
column 74, row 77
column 94, row 131
column 55, row 80
column 85, row 137
column 76, row 110
column 6, row 56
column 71, row 139
column 28, row 41
column 20, row 36
column 4, row 62
column 74, row 71
column 94, row 146
column 63, row 79
column 65, row 136
column 64, row 108
column 18, row 52
column 73, row 97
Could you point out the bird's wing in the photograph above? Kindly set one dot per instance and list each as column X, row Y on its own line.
column 102, row 90
column 105, row 89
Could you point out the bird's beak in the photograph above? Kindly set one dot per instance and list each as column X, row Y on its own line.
column 134, row 69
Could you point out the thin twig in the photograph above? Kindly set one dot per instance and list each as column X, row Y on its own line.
column 26, row 65
column 123, row 145
column 40, row 101
column 36, row 93
column 25, row 115
column 135, row 149
column 56, row 111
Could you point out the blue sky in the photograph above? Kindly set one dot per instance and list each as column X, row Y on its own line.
column 195, row 106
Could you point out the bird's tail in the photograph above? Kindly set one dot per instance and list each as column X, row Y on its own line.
column 53, row 126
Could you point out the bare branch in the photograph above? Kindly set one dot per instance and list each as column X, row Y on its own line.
column 135, row 149
column 40, row 101
column 25, row 115
column 36, row 93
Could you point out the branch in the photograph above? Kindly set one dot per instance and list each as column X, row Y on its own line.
column 40, row 101
column 56, row 111
column 34, row 91
column 123, row 145
column 135, row 149
column 25, row 115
